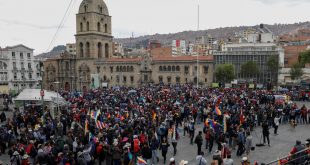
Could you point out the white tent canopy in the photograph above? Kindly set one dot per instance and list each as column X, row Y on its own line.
column 34, row 95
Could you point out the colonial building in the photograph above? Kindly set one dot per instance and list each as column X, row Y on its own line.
column 18, row 69
column 94, row 66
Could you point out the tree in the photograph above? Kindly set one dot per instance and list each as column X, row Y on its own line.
column 304, row 57
column 249, row 69
column 296, row 71
column 273, row 66
column 225, row 73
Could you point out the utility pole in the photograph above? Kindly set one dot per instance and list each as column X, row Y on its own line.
column 42, row 90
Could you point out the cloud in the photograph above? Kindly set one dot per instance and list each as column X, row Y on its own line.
column 20, row 23
column 294, row 2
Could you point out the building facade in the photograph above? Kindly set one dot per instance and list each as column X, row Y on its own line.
column 18, row 68
column 260, row 53
column 94, row 66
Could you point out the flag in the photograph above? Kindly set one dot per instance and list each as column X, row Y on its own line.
column 217, row 100
column 141, row 161
column 225, row 124
column 211, row 123
column 86, row 126
column 218, row 111
column 97, row 113
column 100, row 125
column 154, row 116
column 241, row 118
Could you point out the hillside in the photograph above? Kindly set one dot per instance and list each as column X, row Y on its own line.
column 54, row 52
column 219, row 33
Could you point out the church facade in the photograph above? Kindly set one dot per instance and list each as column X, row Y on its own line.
column 94, row 66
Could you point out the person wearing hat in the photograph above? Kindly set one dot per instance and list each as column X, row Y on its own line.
column 183, row 162
column 15, row 158
column 245, row 161
column 172, row 161
column 25, row 160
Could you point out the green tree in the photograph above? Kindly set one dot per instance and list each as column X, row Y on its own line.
column 225, row 73
column 249, row 69
column 273, row 67
column 296, row 71
column 304, row 57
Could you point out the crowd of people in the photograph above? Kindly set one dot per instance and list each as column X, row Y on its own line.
column 121, row 125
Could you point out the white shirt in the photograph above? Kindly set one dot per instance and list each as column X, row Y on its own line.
column 276, row 121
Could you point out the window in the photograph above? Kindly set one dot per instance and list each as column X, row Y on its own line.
column 28, row 55
column 169, row 79
column 29, row 65
column 117, row 69
column 106, row 48
column 131, row 79
column 131, row 69
column 81, row 50
column 14, row 65
column 169, row 68
column 111, row 69
column 15, row 76
column 160, row 78
column 105, row 28
column 21, row 55
column 165, row 68
column 98, row 27
column 160, row 68
column 206, row 69
column 13, row 54
column 186, row 69
column 87, row 26
column 87, row 49
column 145, row 78
column 206, row 80
column 173, row 68
column 81, row 27
column 38, row 74
column 117, row 78
column 177, row 80
column 177, row 68
column 99, row 47
column 30, row 76
column 100, row 9
column 22, row 65
column 124, row 78
column 23, row 75
column 85, row 8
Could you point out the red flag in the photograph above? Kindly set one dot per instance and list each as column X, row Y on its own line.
column 241, row 117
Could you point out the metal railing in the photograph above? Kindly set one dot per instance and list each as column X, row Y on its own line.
column 303, row 155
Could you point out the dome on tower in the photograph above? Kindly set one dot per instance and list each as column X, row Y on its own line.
column 97, row 6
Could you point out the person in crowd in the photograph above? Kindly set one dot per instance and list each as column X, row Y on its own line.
column 266, row 132
column 172, row 161
column 276, row 124
column 164, row 148
column 298, row 153
column 199, row 141
column 248, row 143
column 200, row 159
column 228, row 160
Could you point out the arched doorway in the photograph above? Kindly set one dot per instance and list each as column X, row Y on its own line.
column 67, row 86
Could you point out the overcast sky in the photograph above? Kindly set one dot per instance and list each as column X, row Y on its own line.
column 34, row 22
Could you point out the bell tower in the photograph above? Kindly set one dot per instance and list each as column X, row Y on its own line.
column 93, row 30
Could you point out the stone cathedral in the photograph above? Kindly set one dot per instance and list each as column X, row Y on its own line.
column 95, row 66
